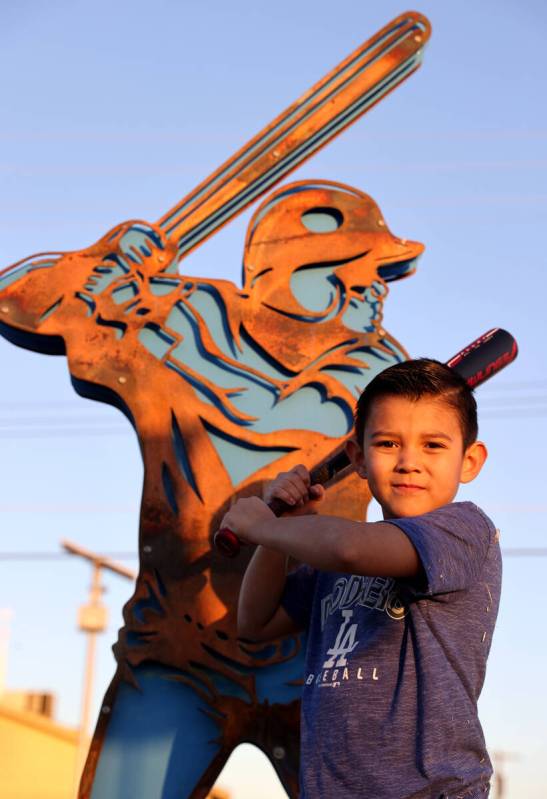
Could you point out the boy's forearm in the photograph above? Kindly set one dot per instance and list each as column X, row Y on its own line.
column 319, row 541
column 328, row 543
column 331, row 543
column 261, row 590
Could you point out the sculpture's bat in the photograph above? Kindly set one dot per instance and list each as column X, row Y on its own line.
column 476, row 363
column 345, row 93
column 337, row 100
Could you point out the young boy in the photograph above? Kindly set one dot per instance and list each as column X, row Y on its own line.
column 399, row 613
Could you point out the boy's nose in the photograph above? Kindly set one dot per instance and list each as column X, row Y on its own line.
column 408, row 461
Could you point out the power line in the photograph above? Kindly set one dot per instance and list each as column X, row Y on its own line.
column 22, row 556
column 67, row 432
column 487, row 402
column 514, row 385
column 511, row 552
column 116, row 430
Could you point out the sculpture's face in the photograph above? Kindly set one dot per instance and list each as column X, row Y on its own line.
column 319, row 251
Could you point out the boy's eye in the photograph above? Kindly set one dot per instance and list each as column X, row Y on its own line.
column 434, row 445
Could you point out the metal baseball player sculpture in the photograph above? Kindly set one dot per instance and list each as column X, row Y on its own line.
column 225, row 386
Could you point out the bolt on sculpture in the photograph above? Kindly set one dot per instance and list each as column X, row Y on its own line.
column 225, row 386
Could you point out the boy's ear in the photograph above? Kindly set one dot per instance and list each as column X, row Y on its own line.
column 355, row 454
column 473, row 461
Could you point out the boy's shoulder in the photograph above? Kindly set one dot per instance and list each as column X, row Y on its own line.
column 455, row 543
column 453, row 513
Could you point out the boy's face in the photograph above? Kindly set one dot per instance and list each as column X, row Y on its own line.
column 413, row 456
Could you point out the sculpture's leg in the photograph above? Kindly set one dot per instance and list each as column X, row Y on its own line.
column 159, row 740
column 165, row 740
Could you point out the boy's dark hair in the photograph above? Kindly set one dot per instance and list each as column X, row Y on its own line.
column 422, row 377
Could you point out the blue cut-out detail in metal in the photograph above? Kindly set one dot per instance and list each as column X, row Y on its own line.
column 106, row 273
column 265, row 653
column 138, row 236
column 337, row 402
column 223, row 684
column 279, row 682
column 151, row 602
column 205, row 688
column 160, row 735
column 258, row 358
column 31, row 264
column 118, row 327
column 398, row 354
column 205, row 392
column 260, row 274
column 288, row 646
column 51, row 309
column 119, row 261
column 182, row 456
column 240, row 458
column 395, row 271
column 322, row 220
column 135, row 639
column 129, row 308
column 267, row 207
column 88, row 301
column 160, row 287
column 307, row 409
column 160, row 584
column 374, row 362
column 169, row 488
column 315, row 287
column 192, row 352
column 260, row 400
column 155, row 339
column 122, row 294
column 361, row 315
column 209, row 304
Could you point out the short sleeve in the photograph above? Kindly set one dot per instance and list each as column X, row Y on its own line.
column 452, row 543
column 297, row 598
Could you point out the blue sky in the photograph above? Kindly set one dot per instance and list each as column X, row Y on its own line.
column 111, row 112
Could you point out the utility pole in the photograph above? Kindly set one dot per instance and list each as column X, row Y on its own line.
column 500, row 758
column 92, row 620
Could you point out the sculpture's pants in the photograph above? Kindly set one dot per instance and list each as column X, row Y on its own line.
column 162, row 738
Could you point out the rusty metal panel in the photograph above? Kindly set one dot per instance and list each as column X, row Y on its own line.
column 225, row 386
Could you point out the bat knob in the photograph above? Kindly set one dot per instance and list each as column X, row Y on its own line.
column 227, row 543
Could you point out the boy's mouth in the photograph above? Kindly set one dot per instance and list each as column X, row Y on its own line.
column 407, row 488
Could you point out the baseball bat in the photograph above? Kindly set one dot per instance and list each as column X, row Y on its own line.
column 476, row 363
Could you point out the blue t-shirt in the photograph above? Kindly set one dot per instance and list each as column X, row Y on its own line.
column 394, row 668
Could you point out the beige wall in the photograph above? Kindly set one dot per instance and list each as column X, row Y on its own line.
column 36, row 756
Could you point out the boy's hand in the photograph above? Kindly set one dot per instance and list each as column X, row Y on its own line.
column 245, row 518
column 295, row 489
